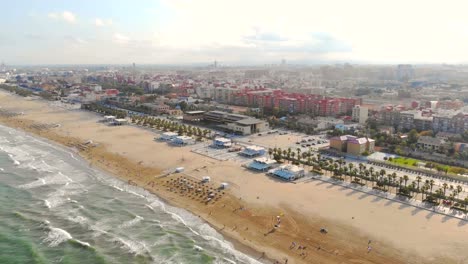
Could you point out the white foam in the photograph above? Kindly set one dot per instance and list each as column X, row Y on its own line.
column 132, row 222
column 57, row 236
column 118, row 188
column 132, row 246
column 86, row 244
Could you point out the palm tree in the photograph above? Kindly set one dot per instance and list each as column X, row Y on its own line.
column 405, row 178
column 459, row 190
column 418, row 179
column 466, row 203
column 270, row 151
column 431, row 183
column 445, row 186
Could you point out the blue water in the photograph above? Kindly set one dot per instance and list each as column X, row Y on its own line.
column 54, row 208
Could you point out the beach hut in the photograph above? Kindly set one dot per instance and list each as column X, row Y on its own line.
column 119, row 122
column 168, row 136
column 206, row 179
column 182, row 141
column 252, row 151
column 261, row 164
column 288, row 172
column 179, row 169
column 109, row 118
column 221, row 142
column 224, row 185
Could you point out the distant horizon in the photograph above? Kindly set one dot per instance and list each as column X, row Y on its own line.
column 221, row 65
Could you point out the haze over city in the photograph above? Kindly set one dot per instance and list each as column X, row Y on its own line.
column 233, row 32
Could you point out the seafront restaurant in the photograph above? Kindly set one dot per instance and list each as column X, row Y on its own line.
column 182, row 141
column 119, row 122
column 168, row 136
column 261, row 164
column 252, row 151
column 109, row 118
column 287, row 172
column 221, row 142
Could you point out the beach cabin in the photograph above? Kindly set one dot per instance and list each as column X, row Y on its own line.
column 168, row 136
column 182, row 140
column 206, row 179
column 252, row 151
column 221, row 142
column 119, row 122
column 288, row 172
column 109, row 119
column 261, row 164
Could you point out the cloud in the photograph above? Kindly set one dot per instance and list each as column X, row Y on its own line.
column 75, row 40
column 120, row 39
column 66, row 16
column 102, row 22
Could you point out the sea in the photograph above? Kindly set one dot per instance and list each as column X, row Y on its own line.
column 55, row 208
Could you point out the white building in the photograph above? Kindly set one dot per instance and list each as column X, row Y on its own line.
column 288, row 172
column 182, row 140
column 360, row 114
column 168, row 136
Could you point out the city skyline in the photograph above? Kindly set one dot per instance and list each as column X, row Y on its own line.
column 232, row 32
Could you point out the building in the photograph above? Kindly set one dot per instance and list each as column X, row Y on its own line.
column 193, row 116
column 360, row 114
column 168, row 136
column 109, row 119
column 430, row 143
column 182, row 140
column 221, row 142
column 352, row 145
column 248, row 126
column 358, row 146
column 252, row 151
column 405, row 72
column 261, row 164
column 450, row 122
column 287, row 172
column 239, row 124
column 119, row 121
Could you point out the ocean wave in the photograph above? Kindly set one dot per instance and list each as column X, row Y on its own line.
column 117, row 188
column 58, row 178
column 132, row 222
column 56, row 236
column 80, row 243
column 133, row 247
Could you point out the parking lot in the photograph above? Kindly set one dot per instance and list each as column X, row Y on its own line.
column 313, row 143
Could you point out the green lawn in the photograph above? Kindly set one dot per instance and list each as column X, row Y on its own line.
column 405, row 161
column 410, row 162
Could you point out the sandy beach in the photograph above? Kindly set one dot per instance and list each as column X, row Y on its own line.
column 247, row 211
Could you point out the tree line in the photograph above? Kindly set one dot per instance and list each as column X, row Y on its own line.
column 380, row 180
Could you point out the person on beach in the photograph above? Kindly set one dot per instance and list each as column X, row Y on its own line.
column 369, row 248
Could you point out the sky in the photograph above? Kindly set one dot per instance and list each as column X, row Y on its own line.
column 233, row 32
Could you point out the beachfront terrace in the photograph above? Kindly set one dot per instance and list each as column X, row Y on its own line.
column 252, row 151
column 288, row 172
column 261, row 164
column 221, row 142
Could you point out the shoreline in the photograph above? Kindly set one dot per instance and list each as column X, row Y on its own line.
column 257, row 217
column 236, row 245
